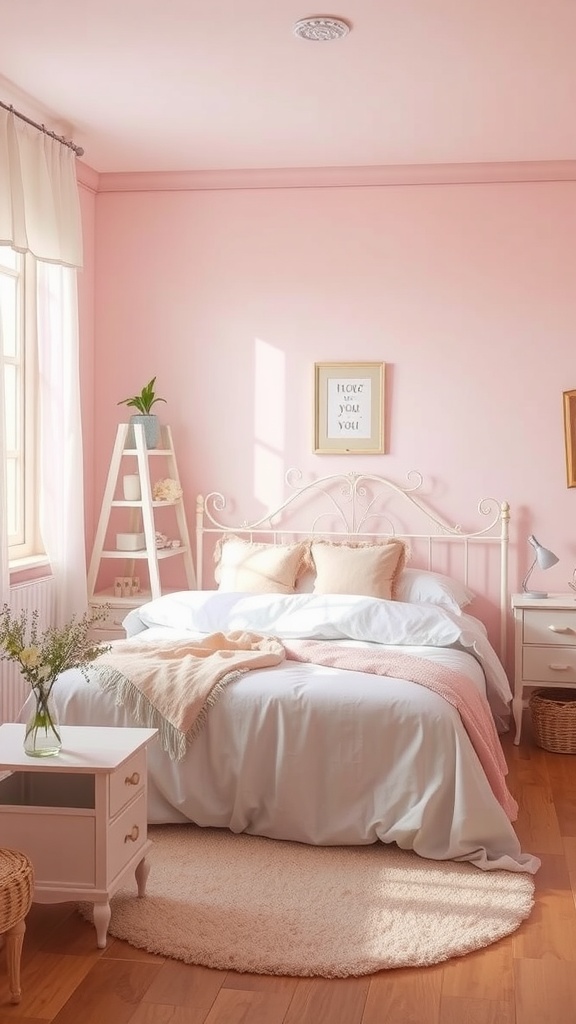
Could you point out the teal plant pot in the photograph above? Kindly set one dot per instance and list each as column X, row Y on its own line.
column 151, row 426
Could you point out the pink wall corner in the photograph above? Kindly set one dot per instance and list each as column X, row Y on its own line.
column 231, row 295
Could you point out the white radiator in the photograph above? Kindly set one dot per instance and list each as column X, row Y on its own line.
column 37, row 594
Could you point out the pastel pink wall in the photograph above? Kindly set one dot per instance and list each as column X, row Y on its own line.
column 465, row 291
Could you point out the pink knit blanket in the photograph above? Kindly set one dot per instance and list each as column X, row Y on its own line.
column 454, row 687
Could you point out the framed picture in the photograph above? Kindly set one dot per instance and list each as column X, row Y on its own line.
column 348, row 408
column 570, row 436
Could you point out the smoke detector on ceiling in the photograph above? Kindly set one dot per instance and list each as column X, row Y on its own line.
column 321, row 30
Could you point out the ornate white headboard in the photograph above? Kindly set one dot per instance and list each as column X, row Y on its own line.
column 368, row 505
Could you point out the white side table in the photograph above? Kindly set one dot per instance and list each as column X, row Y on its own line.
column 544, row 647
column 81, row 817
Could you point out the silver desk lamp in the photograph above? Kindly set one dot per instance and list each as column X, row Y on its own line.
column 544, row 559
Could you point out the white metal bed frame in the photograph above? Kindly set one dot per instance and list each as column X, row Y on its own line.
column 350, row 504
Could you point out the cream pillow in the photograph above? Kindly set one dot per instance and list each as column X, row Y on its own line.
column 250, row 567
column 370, row 570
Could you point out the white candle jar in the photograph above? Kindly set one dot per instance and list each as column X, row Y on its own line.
column 131, row 486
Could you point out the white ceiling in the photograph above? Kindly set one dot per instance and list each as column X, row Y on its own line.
column 166, row 85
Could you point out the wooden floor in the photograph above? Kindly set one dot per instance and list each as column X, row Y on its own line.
column 527, row 978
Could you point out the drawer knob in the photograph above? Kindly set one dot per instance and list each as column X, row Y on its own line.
column 561, row 629
column 559, row 668
column 132, row 780
column 132, row 835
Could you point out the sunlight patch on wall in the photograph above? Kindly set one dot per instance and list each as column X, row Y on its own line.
column 269, row 423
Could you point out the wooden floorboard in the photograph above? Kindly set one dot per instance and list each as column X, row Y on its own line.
column 527, row 978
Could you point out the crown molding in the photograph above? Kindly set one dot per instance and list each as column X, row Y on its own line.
column 86, row 177
column 337, row 177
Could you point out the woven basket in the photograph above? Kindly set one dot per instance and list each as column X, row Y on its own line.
column 554, row 720
column 16, row 884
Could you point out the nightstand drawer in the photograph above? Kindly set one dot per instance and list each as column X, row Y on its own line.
column 554, row 626
column 126, row 836
column 104, row 636
column 112, row 622
column 65, row 863
column 549, row 665
column 127, row 782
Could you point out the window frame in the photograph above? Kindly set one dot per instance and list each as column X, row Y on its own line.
column 25, row 546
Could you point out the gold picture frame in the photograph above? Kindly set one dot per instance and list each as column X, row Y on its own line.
column 349, row 408
column 570, row 436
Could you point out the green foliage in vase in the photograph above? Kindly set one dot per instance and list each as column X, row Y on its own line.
column 145, row 400
column 41, row 657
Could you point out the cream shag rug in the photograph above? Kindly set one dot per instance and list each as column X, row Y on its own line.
column 243, row 903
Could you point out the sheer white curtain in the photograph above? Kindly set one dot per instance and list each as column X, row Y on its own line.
column 39, row 204
column 40, row 214
column 61, row 461
column 4, row 573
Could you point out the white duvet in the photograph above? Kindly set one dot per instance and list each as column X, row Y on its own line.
column 321, row 755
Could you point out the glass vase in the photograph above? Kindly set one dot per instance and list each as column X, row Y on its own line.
column 42, row 734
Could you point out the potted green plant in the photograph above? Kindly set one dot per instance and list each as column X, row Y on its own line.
column 144, row 403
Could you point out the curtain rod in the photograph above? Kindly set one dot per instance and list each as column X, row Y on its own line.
column 42, row 128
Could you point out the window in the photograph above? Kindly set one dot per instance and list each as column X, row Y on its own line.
column 18, row 339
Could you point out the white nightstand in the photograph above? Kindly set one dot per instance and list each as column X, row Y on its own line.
column 111, row 627
column 544, row 646
column 81, row 817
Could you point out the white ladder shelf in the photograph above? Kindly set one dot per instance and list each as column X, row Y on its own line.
column 142, row 518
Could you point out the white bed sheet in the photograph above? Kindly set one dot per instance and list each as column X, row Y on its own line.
column 325, row 756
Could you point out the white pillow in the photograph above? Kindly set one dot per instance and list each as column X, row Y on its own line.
column 419, row 586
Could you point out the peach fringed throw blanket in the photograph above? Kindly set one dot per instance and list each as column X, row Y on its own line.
column 169, row 685
column 454, row 687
